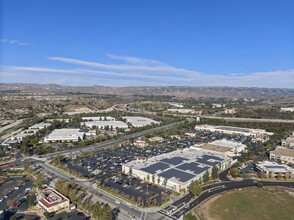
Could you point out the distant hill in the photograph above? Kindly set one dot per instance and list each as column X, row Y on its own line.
column 180, row 91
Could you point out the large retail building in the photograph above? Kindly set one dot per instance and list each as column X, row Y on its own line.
column 177, row 168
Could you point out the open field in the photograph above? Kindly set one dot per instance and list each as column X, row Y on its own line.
column 254, row 203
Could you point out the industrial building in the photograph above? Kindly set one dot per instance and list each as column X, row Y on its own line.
column 104, row 124
column 287, row 109
column 274, row 170
column 177, row 168
column 20, row 136
column 184, row 111
column 283, row 155
column 257, row 134
column 40, row 125
column 140, row 121
column 51, row 200
column 102, row 118
column 65, row 135
column 177, row 105
column 227, row 147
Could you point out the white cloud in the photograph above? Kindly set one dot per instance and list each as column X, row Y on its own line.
column 151, row 70
column 141, row 72
column 38, row 69
column 17, row 42
column 137, row 61
column 236, row 74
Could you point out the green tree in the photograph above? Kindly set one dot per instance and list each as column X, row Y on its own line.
column 234, row 172
column 206, row 177
column 34, row 141
column 214, row 172
column 46, row 214
column 31, row 202
column 195, row 188
column 39, row 180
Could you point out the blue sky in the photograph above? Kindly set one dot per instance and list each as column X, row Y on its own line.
column 148, row 42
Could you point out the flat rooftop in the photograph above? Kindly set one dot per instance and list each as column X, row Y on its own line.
column 140, row 121
column 230, row 128
column 228, row 144
column 281, row 151
column 105, row 123
column 274, row 166
column 180, row 166
column 65, row 133
column 52, row 198
column 40, row 125
column 213, row 147
column 102, row 118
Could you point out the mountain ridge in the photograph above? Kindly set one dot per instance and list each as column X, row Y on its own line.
column 179, row 91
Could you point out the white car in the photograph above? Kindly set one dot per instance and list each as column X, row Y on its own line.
column 117, row 202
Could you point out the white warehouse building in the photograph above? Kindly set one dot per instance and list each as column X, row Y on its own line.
column 65, row 135
column 140, row 121
column 258, row 134
column 104, row 124
column 102, row 118
column 177, row 168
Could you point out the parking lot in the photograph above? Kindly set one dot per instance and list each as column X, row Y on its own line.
column 14, row 194
column 72, row 215
column 105, row 167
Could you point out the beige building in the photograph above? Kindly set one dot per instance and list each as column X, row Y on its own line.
column 51, row 200
column 284, row 155
column 226, row 147
column 289, row 141
column 274, row 170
